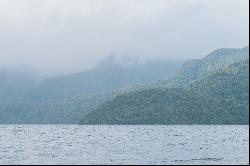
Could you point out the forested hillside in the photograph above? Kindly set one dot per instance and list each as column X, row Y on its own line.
column 220, row 96
column 196, row 69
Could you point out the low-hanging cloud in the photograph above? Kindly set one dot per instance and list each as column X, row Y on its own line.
column 73, row 35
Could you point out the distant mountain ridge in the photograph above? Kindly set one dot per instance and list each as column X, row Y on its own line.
column 107, row 76
column 167, row 101
column 71, row 97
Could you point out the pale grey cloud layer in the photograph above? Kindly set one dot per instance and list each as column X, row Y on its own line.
column 73, row 35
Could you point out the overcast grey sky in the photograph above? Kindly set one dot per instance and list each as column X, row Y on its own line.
column 73, row 35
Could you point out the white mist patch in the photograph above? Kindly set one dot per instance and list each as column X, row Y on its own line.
column 128, row 61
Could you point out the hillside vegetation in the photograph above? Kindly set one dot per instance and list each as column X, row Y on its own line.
column 218, row 96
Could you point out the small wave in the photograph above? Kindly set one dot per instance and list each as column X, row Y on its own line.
column 200, row 159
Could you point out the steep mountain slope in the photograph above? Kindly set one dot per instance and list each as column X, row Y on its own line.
column 221, row 97
column 216, row 60
column 194, row 70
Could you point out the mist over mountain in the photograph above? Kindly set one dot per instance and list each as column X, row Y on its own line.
column 63, row 36
column 72, row 96
column 110, row 74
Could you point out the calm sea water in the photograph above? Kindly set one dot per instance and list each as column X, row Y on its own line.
column 73, row 144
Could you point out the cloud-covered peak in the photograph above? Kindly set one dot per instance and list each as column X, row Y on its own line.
column 70, row 36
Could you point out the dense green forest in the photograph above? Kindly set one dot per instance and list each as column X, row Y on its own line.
column 196, row 69
column 220, row 98
column 212, row 90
